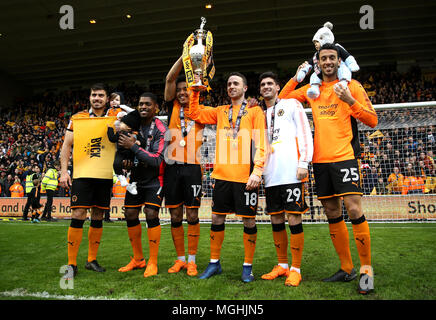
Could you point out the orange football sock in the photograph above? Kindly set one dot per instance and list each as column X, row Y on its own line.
column 340, row 239
column 193, row 237
column 94, row 236
column 216, row 240
column 250, row 237
column 280, row 237
column 134, row 231
column 363, row 240
column 178, row 235
column 75, row 234
column 296, row 243
column 154, row 233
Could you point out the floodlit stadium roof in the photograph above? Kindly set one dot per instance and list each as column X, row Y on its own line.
column 248, row 36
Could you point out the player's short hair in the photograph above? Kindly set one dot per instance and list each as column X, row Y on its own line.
column 238, row 74
column 269, row 74
column 180, row 78
column 327, row 46
column 99, row 86
column 150, row 95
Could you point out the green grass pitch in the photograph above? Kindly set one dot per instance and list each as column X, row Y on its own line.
column 31, row 255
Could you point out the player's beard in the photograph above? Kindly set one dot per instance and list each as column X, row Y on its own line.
column 97, row 105
column 235, row 94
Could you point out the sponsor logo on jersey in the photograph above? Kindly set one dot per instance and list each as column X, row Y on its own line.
column 94, row 147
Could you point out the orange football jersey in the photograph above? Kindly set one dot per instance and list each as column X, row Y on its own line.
column 336, row 135
column 235, row 158
column 190, row 152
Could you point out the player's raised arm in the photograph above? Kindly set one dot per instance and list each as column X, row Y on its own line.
column 357, row 99
column 170, row 80
column 201, row 115
column 289, row 91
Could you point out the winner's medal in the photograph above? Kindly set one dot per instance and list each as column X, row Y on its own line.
column 235, row 128
column 185, row 130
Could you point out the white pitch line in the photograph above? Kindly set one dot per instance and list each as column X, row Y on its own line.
column 23, row 293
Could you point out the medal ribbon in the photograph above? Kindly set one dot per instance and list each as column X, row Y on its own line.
column 189, row 42
column 271, row 127
column 238, row 119
column 150, row 134
column 185, row 130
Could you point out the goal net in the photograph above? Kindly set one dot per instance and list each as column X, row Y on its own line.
column 396, row 161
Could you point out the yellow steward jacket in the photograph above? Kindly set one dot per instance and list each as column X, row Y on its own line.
column 50, row 180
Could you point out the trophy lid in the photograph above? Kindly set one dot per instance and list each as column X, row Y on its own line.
column 203, row 22
column 201, row 32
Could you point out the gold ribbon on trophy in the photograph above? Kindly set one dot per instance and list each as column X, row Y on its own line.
column 196, row 58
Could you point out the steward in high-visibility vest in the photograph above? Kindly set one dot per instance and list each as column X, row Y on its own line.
column 17, row 190
column 118, row 191
column 49, row 184
column 413, row 184
column 50, row 180
column 29, row 182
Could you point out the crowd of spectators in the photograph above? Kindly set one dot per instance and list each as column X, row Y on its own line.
column 394, row 87
column 391, row 157
column 32, row 130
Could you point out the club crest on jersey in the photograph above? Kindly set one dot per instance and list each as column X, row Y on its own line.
column 244, row 113
column 94, row 147
column 227, row 131
column 280, row 113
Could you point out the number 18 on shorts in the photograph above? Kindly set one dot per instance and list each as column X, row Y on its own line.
column 232, row 197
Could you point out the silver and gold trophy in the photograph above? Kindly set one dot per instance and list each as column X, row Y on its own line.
column 197, row 57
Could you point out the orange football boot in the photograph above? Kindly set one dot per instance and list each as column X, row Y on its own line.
column 277, row 271
column 133, row 264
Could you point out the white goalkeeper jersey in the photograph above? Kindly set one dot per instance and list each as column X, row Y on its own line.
column 291, row 142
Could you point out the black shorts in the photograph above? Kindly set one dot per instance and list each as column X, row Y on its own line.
column 90, row 192
column 232, row 197
column 337, row 178
column 182, row 185
column 148, row 197
column 36, row 206
column 288, row 198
